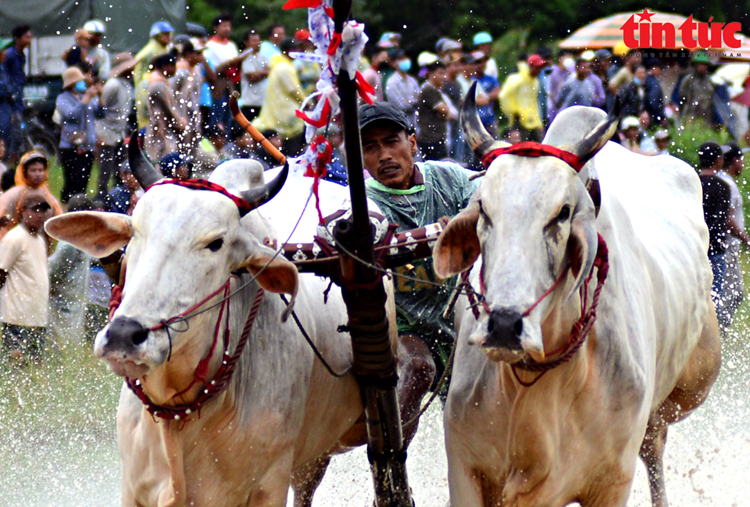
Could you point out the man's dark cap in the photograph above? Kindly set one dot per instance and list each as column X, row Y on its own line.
column 80, row 202
column 382, row 111
column 732, row 151
column 35, row 200
column 708, row 153
column 289, row 43
column 195, row 30
column 396, row 53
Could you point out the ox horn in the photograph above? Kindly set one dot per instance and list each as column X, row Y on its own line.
column 258, row 196
column 595, row 140
column 142, row 169
column 474, row 132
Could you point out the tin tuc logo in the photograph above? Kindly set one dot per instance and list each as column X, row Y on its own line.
column 662, row 35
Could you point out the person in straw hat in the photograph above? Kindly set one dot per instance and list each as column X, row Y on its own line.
column 117, row 103
column 77, row 106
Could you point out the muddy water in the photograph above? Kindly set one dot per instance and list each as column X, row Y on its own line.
column 59, row 463
column 707, row 458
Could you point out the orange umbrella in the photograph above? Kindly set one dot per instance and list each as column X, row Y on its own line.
column 606, row 32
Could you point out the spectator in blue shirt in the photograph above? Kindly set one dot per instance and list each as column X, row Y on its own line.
column 14, row 65
column 490, row 87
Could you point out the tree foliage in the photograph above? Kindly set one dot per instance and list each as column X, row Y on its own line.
column 424, row 21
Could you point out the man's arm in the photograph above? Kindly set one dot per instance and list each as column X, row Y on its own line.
column 735, row 230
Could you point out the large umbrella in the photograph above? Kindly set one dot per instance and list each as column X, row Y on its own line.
column 606, row 32
column 741, row 53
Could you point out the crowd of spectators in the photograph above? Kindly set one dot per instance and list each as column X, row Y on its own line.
column 175, row 93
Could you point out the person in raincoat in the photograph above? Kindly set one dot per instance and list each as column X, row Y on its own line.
column 519, row 99
column 413, row 195
column 697, row 92
column 31, row 174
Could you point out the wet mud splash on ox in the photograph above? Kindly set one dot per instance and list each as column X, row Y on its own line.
column 58, row 445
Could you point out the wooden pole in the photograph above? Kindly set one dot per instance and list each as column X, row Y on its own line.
column 362, row 288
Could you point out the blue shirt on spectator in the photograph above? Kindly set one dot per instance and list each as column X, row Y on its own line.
column 488, row 83
column 15, row 63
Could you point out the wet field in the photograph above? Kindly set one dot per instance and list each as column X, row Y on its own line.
column 58, row 448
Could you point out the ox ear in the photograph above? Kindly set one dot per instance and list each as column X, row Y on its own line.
column 582, row 243
column 458, row 246
column 97, row 233
column 274, row 275
column 595, row 140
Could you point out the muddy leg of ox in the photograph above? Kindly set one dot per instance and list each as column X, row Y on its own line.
column 690, row 392
column 307, row 479
column 417, row 371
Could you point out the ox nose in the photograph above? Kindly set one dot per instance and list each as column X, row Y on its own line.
column 125, row 333
column 504, row 330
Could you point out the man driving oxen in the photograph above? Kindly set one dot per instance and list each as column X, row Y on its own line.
column 413, row 195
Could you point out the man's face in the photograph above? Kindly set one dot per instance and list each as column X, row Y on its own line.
column 164, row 38
column 702, row 68
column 25, row 40
column 379, row 58
column 223, row 29
column 96, row 39
column 640, row 73
column 738, row 165
column 35, row 173
column 278, row 35
column 34, row 217
column 193, row 57
column 169, row 70
column 389, row 154
column 656, row 71
column 437, row 78
column 663, row 143
column 583, row 70
column 253, row 41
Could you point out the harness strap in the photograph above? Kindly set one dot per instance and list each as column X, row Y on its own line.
column 213, row 388
column 533, row 149
column 581, row 328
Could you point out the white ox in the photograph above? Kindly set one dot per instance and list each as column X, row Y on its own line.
column 651, row 358
column 282, row 412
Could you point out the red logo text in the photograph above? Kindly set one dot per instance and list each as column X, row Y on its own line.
column 711, row 35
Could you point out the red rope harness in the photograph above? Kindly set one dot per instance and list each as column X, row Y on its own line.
column 199, row 184
column 532, row 149
column 581, row 328
column 223, row 376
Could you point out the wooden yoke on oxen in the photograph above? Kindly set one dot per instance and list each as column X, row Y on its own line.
column 392, row 251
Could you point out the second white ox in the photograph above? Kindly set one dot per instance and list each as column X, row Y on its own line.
column 282, row 413
column 574, row 435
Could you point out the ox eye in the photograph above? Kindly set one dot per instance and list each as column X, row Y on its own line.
column 215, row 245
column 564, row 214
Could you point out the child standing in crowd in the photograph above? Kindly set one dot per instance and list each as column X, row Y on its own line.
column 24, row 281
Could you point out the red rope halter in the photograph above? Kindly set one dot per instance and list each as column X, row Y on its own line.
column 199, row 184
column 223, row 376
column 532, row 149
column 581, row 328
